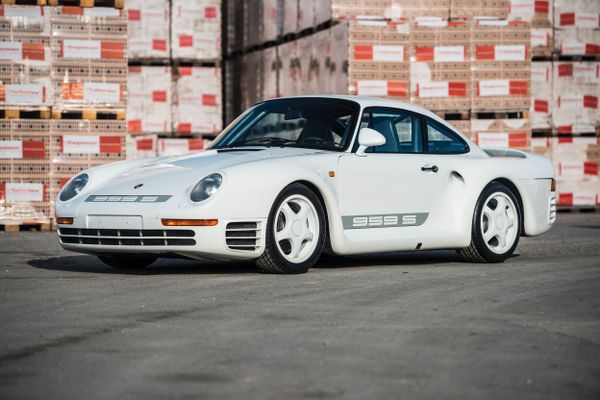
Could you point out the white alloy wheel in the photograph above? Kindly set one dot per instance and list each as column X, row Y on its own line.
column 499, row 223
column 296, row 228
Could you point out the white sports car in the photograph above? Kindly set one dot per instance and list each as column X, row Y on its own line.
column 292, row 178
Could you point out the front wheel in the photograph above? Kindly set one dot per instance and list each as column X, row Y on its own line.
column 129, row 261
column 496, row 226
column 295, row 232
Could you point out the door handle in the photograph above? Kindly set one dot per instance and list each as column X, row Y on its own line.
column 433, row 168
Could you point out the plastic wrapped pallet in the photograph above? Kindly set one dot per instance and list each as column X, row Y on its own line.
column 440, row 68
column 323, row 10
column 197, row 101
column 307, row 14
column 335, row 78
column 148, row 28
column 25, row 199
column 269, row 68
column 390, row 9
column 539, row 13
column 312, row 50
column 479, row 8
column 542, row 146
column 289, row 16
column 89, row 56
column 149, row 102
column 141, row 146
column 379, row 59
column 541, row 95
column 25, row 56
column 175, row 147
column 502, row 133
column 577, row 27
column 251, row 79
column 196, row 29
column 576, row 89
column 578, row 183
column 500, row 65
column 289, row 75
column 262, row 22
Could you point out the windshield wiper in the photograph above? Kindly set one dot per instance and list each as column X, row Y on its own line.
column 267, row 141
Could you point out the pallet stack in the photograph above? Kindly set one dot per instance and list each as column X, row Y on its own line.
column 174, row 80
column 62, row 68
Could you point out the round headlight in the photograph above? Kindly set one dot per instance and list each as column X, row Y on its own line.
column 74, row 187
column 206, row 188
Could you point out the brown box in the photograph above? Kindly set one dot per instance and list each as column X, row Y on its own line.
column 501, row 133
column 479, row 8
column 390, row 9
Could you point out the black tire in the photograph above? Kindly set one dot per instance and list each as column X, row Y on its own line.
column 272, row 261
column 129, row 261
column 478, row 251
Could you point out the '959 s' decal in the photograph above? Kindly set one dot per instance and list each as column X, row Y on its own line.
column 383, row 221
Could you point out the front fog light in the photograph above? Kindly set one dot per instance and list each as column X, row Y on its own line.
column 206, row 188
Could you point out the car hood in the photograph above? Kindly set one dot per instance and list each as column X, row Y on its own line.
column 164, row 175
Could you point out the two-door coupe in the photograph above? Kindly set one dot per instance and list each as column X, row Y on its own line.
column 294, row 177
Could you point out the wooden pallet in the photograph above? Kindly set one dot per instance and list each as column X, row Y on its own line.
column 89, row 113
column 87, row 3
column 25, row 225
column 492, row 114
column 25, row 113
column 578, row 209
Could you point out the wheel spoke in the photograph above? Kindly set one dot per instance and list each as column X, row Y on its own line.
column 289, row 214
column 501, row 239
column 489, row 213
column 296, row 244
column 285, row 233
column 500, row 205
column 488, row 235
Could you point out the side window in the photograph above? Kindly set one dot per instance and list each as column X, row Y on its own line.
column 402, row 130
column 441, row 140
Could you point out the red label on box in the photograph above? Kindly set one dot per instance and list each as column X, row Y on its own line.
column 363, row 52
column 590, row 101
column 112, row 50
column 590, row 168
column 159, row 96
column 134, row 125
column 592, row 49
column 210, row 12
column 186, row 41
column 540, row 106
column 110, row 144
column 195, row 144
column 134, row 69
column 144, row 144
column 424, row 54
column 33, row 51
column 567, row 19
column 185, row 70
column 184, row 128
column 565, row 69
column 541, row 6
column 457, row 89
column 518, row 87
column 485, row 52
column 2, row 190
column 564, row 129
column 159, row 44
column 518, row 140
column 134, row 15
column 34, row 149
column 71, row 10
column 209, row 100
column 399, row 89
column 565, row 199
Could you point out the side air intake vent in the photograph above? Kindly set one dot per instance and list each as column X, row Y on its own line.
column 243, row 235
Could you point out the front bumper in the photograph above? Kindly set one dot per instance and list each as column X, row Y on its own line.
column 228, row 240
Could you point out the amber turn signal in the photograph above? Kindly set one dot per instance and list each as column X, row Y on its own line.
column 64, row 220
column 189, row 222
column 553, row 185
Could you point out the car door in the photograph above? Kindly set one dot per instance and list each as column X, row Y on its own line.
column 394, row 185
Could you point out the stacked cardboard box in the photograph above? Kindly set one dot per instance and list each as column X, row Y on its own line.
column 440, row 69
column 577, row 27
column 197, row 102
column 539, row 13
column 500, row 65
column 576, row 168
column 541, row 95
column 141, row 146
column 148, row 29
column 379, row 58
column 514, row 133
column 173, row 147
column 576, row 89
column 464, row 9
column 390, row 9
column 196, row 29
column 149, row 91
column 89, row 50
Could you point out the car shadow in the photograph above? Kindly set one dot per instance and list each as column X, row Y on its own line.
column 166, row 266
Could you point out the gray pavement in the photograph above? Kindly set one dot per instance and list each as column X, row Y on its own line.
column 413, row 325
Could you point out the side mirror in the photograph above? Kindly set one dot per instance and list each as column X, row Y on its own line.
column 368, row 137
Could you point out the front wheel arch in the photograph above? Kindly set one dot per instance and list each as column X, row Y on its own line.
column 513, row 188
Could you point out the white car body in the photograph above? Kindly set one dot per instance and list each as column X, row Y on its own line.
column 366, row 212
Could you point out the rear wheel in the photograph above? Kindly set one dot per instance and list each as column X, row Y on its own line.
column 128, row 261
column 496, row 226
column 295, row 232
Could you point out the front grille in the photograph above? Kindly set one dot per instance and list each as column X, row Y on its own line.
column 243, row 235
column 128, row 237
column 552, row 215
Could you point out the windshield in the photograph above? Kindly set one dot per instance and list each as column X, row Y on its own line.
column 316, row 123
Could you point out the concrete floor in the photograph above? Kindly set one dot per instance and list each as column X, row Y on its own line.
column 415, row 325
